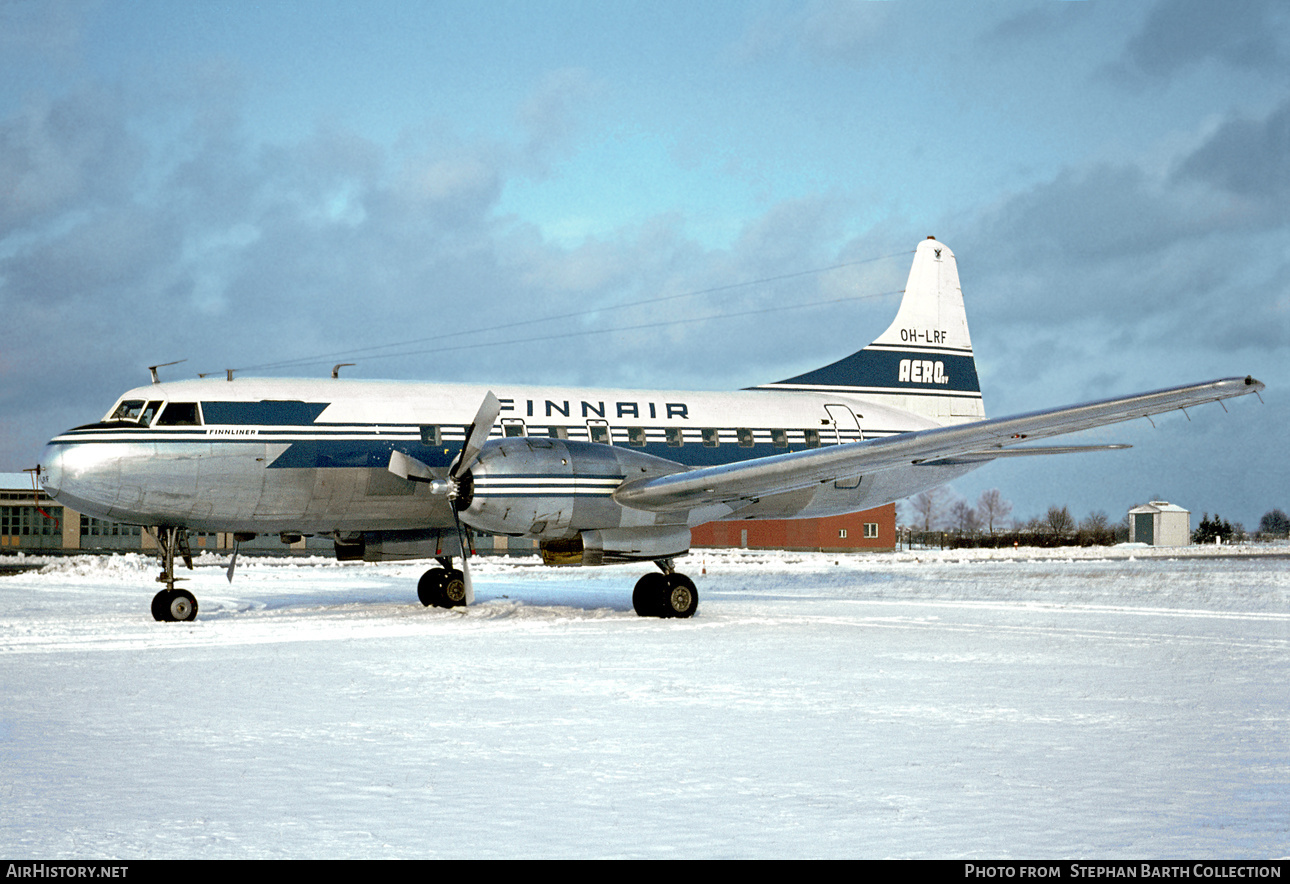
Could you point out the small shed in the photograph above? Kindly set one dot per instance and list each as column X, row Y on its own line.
column 1160, row 523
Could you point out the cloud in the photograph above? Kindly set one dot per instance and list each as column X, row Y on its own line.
column 1247, row 158
column 1105, row 212
column 849, row 31
column 69, row 153
column 553, row 114
column 844, row 29
column 1035, row 22
column 1180, row 34
column 41, row 30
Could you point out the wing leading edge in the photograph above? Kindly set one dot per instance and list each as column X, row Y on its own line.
column 979, row 441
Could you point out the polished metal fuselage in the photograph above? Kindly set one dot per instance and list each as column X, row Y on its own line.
column 329, row 474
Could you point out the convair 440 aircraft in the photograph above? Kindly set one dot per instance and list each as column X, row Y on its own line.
column 397, row 470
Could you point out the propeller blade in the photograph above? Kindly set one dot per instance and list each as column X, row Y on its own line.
column 465, row 578
column 477, row 435
column 464, row 541
column 408, row 467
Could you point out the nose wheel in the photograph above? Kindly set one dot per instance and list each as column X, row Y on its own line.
column 173, row 605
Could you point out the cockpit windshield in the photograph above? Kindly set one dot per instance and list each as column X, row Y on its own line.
column 134, row 411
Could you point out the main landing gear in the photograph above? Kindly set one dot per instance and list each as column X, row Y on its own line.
column 443, row 587
column 173, row 605
column 669, row 594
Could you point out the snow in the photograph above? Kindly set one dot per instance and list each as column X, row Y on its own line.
column 1130, row 702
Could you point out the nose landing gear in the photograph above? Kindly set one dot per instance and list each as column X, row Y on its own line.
column 172, row 605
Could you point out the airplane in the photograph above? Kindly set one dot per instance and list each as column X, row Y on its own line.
column 395, row 470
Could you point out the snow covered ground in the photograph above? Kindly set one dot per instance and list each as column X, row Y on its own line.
column 1065, row 703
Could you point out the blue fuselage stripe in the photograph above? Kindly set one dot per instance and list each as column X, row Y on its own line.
column 312, row 448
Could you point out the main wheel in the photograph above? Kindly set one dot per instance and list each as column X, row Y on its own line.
column 682, row 599
column 430, row 586
column 453, row 593
column 442, row 588
column 648, row 596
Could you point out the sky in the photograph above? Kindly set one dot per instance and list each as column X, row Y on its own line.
column 420, row 188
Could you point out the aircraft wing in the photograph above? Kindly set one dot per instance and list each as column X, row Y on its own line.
column 982, row 440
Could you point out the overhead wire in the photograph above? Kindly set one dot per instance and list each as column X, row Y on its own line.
column 603, row 331
column 373, row 352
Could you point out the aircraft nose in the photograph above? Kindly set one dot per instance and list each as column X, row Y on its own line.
column 51, row 470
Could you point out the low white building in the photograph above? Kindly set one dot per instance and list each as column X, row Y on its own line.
column 1160, row 523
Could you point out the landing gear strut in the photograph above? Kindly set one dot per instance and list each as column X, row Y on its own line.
column 442, row 587
column 173, row 605
column 669, row 594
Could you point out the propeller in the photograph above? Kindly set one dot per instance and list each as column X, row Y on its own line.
column 414, row 470
column 476, row 436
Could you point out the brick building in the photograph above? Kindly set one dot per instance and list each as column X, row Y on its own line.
column 873, row 529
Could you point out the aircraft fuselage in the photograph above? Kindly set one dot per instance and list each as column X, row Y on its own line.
column 311, row 455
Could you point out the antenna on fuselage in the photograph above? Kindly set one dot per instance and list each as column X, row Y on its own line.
column 335, row 369
column 152, row 369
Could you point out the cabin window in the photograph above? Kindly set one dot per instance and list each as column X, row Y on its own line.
column 779, row 438
column 812, row 438
column 431, row 436
column 745, row 437
column 675, row 437
column 636, row 436
column 511, row 427
column 558, row 432
column 599, row 433
column 711, row 439
column 180, row 414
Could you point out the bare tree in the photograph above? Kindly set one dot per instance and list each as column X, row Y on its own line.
column 992, row 508
column 965, row 518
column 1059, row 521
column 930, row 507
column 1096, row 528
column 1095, row 521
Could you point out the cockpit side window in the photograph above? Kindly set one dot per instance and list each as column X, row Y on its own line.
column 128, row 410
column 180, row 414
column 149, row 412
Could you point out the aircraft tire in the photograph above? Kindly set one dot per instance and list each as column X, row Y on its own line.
column 430, row 587
column 453, row 591
column 681, row 598
column 159, row 606
column 174, row 606
column 650, row 594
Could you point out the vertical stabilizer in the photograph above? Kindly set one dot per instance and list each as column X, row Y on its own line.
column 923, row 362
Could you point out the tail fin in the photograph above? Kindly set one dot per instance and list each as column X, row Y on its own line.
column 923, row 362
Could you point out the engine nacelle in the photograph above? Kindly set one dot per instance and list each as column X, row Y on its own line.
column 553, row 489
